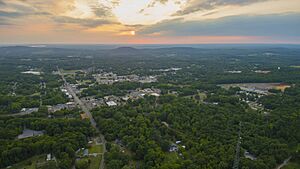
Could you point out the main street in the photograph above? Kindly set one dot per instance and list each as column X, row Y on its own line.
column 86, row 111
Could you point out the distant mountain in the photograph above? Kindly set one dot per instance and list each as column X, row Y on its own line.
column 21, row 51
column 125, row 51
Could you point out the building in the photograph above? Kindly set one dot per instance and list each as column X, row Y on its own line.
column 92, row 102
column 85, row 152
column 140, row 93
column 154, row 94
column 178, row 142
column 29, row 110
column 173, row 148
column 49, row 158
column 69, row 106
column 249, row 155
column 30, row 133
column 110, row 78
column 125, row 98
column 84, row 116
column 111, row 103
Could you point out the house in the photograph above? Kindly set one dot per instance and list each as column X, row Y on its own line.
column 112, row 98
column 119, row 142
column 250, row 156
column 125, row 98
column 178, row 142
column 30, row 133
column 48, row 157
column 173, row 148
column 135, row 95
column 85, row 152
column 165, row 123
column 29, row 110
column 111, row 103
column 155, row 94
column 71, row 104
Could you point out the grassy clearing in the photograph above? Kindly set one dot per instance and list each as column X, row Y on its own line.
column 202, row 96
column 29, row 163
column 84, row 82
column 70, row 71
column 292, row 165
column 33, row 162
column 96, row 149
column 95, row 162
column 282, row 87
column 172, row 157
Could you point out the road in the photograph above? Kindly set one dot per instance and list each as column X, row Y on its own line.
column 16, row 114
column 285, row 162
column 88, row 113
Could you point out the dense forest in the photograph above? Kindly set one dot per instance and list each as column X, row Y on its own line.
column 62, row 138
column 208, row 132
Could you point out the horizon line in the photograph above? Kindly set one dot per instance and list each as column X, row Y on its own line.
column 149, row 44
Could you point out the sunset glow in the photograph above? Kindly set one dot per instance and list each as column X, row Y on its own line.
column 149, row 21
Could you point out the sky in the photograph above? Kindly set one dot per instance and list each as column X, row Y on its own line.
column 149, row 21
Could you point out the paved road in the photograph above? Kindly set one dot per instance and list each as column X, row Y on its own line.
column 285, row 162
column 16, row 114
column 88, row 113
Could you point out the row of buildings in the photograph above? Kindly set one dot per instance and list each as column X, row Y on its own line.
column 92, row 102
column 110, row 78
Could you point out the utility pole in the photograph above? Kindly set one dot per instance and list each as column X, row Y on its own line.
column 237, row 149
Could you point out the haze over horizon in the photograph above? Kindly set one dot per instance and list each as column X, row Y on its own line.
column 150, row 21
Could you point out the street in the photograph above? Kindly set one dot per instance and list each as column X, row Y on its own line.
column 88, row 113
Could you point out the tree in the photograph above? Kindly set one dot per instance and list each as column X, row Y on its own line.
column 82, row 164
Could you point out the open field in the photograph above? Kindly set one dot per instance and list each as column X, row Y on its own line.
column 70, row 72
column 292, row 165
column 95, row 162
column 34, row 162
column 282, row 87
column 261, row 87
column 96, row 149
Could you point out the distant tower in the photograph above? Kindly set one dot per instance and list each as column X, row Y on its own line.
column 237, row 149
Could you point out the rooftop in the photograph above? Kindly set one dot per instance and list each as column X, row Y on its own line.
column 30, row 133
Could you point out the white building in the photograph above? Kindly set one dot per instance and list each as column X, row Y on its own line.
column 111, row 103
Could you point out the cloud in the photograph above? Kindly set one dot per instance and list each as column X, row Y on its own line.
column 2, row 3
column 18, row 8
column 102, row 11
column 82, row 22
column 173, row 19
column 153, row 3
column 198, row 5
column 4, row 22
column 15, row 15
column 12, row 18
column 17, row 11
column 10, row 14
column 245, row 25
